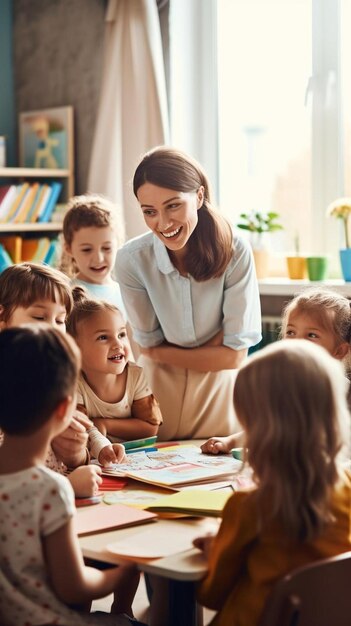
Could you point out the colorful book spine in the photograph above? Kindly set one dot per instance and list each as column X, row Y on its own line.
column 52, row 253
column 21, row 192
column 26, row 204
column 45, row 215
column 13, row 245
column 7, row 201
column 5, row 259
column 40, row 203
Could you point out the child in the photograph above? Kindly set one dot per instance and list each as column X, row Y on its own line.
column 90, row 246
column 112, row 390
column 31, row 292
column 322, row 316
column 291, row 401
column 41, row 566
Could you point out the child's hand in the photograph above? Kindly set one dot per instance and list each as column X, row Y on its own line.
column 216, row 445
column 85, row 480
column 205, row 543
column 115, row 453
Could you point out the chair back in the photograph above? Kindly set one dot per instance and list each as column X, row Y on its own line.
column 317, row 594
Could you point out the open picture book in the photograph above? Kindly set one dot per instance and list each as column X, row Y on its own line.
column 175, row 468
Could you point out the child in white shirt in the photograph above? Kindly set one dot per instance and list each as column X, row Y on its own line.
column 112, row 390
column 42, row 573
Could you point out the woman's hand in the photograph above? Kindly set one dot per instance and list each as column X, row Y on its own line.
column 70, row 446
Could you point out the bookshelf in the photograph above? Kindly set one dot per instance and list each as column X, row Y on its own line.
column 22, row 174
column 16, row 175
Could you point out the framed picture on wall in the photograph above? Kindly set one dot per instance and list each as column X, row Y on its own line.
column 46, row 138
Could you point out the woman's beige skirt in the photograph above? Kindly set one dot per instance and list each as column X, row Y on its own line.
column 194, row 405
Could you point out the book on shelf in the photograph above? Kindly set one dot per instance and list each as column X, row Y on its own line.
column 50, row 257
column 29, row 248
column 42, row 250
column 39, row 203
column 45, row 214
column 5, row 259
column 13, row 245
column 7, row 200
column 22, row 189
column 3, row 191
column 26, row 204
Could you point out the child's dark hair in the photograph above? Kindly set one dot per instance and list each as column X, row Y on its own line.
column 25, row 283
column 39, row 367
column 85, row 211
column 85, row 307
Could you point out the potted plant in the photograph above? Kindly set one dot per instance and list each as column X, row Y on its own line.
column 296, row 264
column 341, row 209
column 258, row 223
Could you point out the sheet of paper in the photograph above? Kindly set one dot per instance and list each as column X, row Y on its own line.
column 101, row 518
column 147, row 544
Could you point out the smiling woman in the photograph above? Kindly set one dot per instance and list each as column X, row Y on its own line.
column 191, row 295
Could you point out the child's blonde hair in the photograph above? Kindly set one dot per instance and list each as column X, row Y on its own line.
column 25, row 283
column 85, row 211
column 330, row 308
column 84, row 308
column 290, row 398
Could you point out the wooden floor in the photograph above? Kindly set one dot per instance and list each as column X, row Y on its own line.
column 140, row 605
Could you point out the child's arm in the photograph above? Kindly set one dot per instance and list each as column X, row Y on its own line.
column 102, row 449
column 216, row 445
column 144, row 421
column 228, row 550
column 71, row 580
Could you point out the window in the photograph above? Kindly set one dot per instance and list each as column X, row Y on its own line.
column 278, row 109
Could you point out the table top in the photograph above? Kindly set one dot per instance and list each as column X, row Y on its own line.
column 189, row 565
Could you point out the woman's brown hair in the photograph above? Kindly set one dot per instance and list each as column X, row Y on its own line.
column 211, row 244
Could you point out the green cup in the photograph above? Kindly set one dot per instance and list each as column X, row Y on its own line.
column 317, row 267
column 238, row 453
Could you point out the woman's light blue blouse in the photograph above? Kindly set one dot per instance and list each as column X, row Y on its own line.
column 110, row 293
column 163, row 305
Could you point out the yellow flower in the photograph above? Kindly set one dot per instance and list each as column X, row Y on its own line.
column 341, row 208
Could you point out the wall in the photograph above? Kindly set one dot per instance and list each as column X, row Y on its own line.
column 58, row 49
column 7, row 98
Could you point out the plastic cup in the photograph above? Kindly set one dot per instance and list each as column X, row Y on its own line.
column 317, row 267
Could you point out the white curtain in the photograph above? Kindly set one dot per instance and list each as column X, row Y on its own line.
column 132, row 115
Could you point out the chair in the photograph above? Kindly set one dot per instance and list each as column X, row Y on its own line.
column 318, row 594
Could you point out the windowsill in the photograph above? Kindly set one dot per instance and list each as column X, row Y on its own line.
column 287, row 287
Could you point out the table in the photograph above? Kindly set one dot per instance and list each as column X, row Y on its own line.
column 183, row 569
